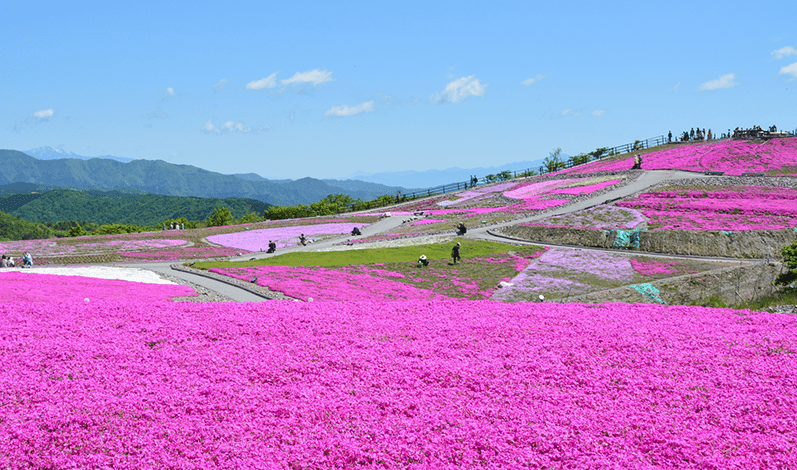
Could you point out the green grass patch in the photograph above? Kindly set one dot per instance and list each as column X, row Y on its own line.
column 404, row 254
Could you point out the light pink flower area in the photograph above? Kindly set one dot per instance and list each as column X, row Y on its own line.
column 328, row 284
column 27, row 287
column 736, row 208
column 395, row 385
column 256, row 240
column 734, row 157
column 57, row 247
column 474, row 195
column 549, row 274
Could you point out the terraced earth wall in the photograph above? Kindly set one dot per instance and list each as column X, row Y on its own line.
column 730, row 286
column 743, row 244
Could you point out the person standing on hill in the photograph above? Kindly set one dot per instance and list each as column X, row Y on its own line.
column 455, row 253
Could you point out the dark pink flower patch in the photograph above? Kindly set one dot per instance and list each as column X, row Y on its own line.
column 395, row 385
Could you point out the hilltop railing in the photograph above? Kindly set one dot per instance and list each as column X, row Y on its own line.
column 570, row 163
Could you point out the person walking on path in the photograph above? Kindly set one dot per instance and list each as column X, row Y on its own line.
column 455, row 253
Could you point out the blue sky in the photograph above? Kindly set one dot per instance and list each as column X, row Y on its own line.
column 327, row 89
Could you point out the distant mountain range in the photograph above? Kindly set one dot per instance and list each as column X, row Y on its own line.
column 61, row 168
column 432, row 178
column 159, row 177
column 49, row 153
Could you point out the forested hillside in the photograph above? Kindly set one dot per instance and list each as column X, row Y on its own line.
column 115, row 207
column 159, row 177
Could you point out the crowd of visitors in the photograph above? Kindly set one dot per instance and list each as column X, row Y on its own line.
column 7, row 261
column 698, row 134
column 693, row 135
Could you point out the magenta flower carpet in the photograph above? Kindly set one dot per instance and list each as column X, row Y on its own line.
column 733, row 157
column 395, row 385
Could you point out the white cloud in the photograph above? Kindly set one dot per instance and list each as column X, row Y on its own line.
column 316, row 77
column 170, row 91
column 725, row 81
column 570, row 112
column 231, row 126
column 44, row 114
column 790, row 70
column 533, row 80
column 344, row 110
column 267, row 82
column 599, row 112
column 676, row 87
column 784, row 52
column 220, row 84
column 460, row 89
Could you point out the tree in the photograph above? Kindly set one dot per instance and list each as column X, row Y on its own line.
column 221, row 216
column 504, row 175
column 597, row 154
column 76, row 231
column 249, row 218
column 553, row 162
column 790, row 260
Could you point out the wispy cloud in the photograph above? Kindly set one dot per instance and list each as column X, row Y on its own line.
column 533, row 80
column 344, row 110
column 725, row 81
column 599, row 112
column 267, row 82
column 784, row 52
column 460, row 90
column 571, row 112
column 43, row 115
column 231, row 126
column 170, row 91
column 790, row 70
column 316, row 77
column 219, row 86
column 676, row 87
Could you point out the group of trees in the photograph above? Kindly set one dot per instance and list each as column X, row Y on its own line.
column 554, row 161
column 332, row 204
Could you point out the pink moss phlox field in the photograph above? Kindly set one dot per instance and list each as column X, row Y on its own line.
column 531, row 190
column 601, row 217
column 256, row 240
column 586, row 189
column 734, row 157
column 327, row 284
column 57, row 247
column 427, row 221
column 473, row 195
column 27, row 287
column 395, row 385
column 735, row 208
column 184, row 253
column 550, row 273
column 654, row 267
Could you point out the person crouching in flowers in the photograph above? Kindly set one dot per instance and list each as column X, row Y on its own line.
column 422, row 261
column 27, row 260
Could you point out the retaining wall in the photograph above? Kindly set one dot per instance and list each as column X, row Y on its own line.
column 732, row 285
column 757, row 244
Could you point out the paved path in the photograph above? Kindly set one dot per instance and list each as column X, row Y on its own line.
column 647, row 179
column 231, row 291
